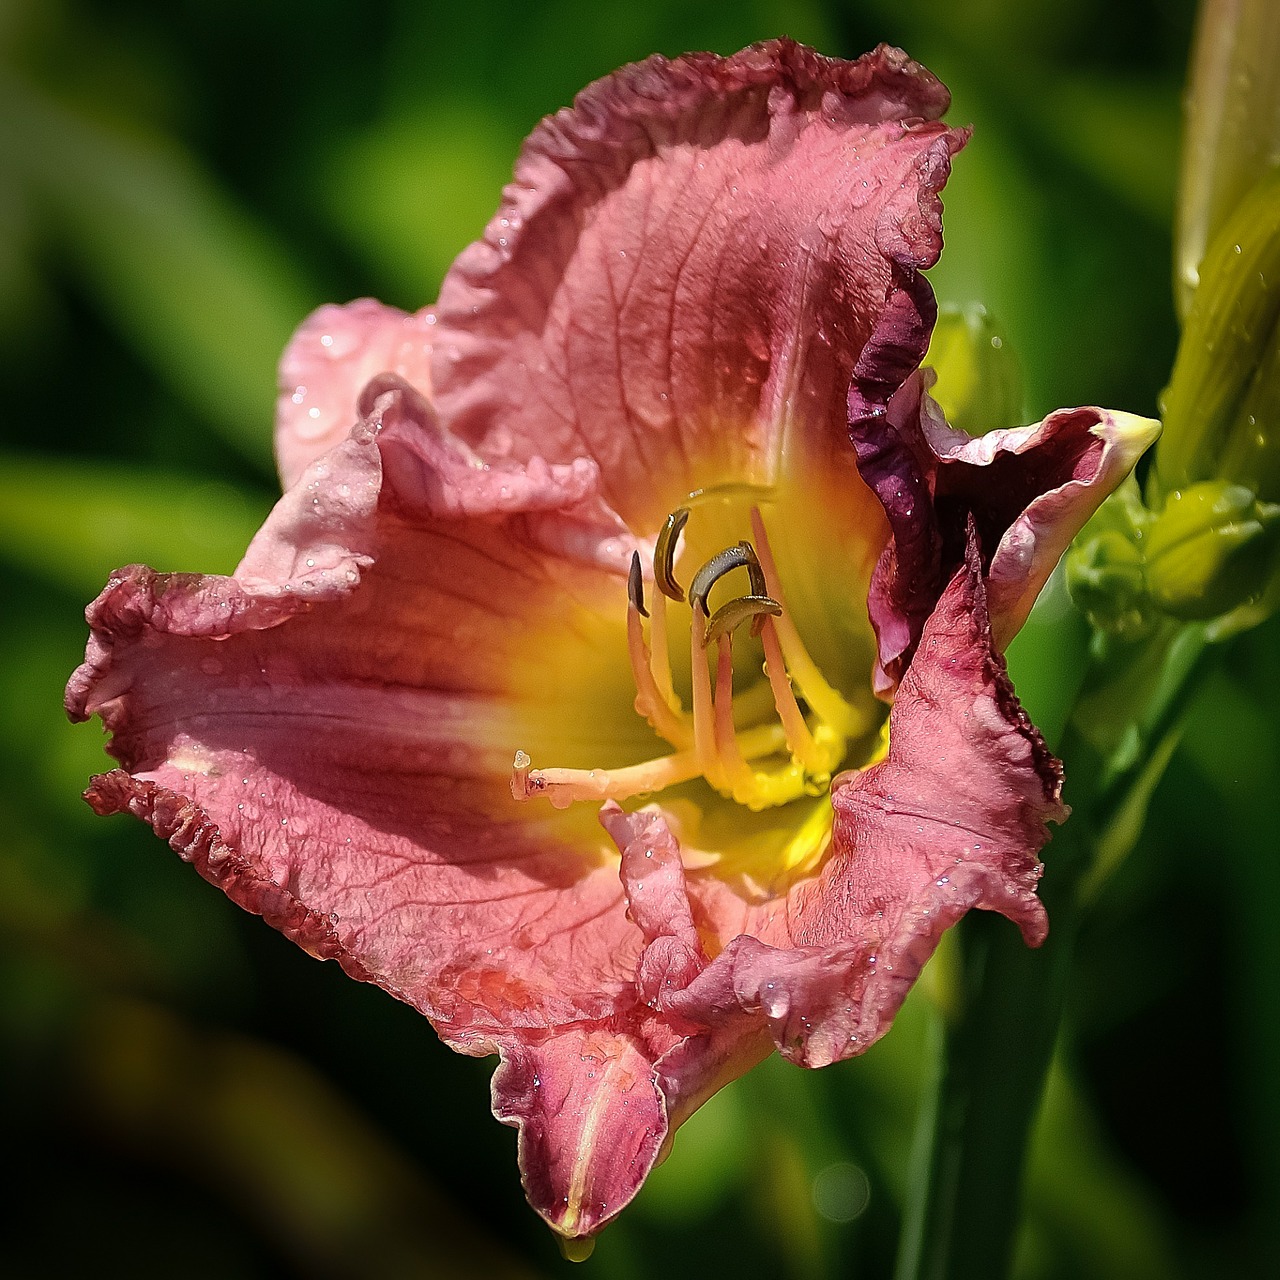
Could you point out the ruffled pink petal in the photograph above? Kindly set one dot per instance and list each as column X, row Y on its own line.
column 952, row 820
column 320, row 732
column 336, row 350
column 689, row 262
column 1030, row 491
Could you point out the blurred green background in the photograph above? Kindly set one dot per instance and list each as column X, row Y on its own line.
column 180, row 182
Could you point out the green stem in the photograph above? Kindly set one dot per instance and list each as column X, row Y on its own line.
column 994, row 1051
column 992, row 1059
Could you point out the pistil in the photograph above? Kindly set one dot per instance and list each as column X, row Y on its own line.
column 563, row 787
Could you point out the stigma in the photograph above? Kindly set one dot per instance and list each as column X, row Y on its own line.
column 759, row 749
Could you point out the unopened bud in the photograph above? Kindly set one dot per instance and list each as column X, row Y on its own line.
column 979, row 382
column 1210, row 550
column 1232, row 125
column 1227, row 358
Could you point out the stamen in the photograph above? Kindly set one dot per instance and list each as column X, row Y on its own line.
column 660, row 660
column 741, row 556
column 650, row 701
column 737, row 772
column 731, row 616
column 704, row 743
column 664, row 554
column 800, row 741
column 826, row 703
column 635, row 586
column 732, row 775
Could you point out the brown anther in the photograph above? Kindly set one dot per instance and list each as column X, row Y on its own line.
column 635, row 586
column 664, row 554
column 758, row 585
column 741, row 556
column 731, row 616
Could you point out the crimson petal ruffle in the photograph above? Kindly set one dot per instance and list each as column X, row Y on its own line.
column 1030, row 490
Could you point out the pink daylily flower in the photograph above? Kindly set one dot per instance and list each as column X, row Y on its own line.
column 687, row 349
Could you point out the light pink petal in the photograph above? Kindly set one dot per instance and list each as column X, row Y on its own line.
column 335, row 351
column 1030, row 490
column 689, row 262
column 322, row 733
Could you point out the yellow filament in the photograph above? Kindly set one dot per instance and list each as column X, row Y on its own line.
column 650, row 702
column 661, row 657
column 799, row 740
column 827, row 704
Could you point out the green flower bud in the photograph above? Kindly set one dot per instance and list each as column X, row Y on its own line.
column 1210, row 550
column 979, row 382
column 1106, row 573
column 1225, row 372
column 1232, row 125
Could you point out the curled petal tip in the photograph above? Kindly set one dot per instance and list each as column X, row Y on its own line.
column 1131, row 432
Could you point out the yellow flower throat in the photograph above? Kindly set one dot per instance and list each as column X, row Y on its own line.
column 776, row 742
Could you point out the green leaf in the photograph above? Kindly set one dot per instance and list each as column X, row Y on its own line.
column 193, row 282
column 72, row 523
